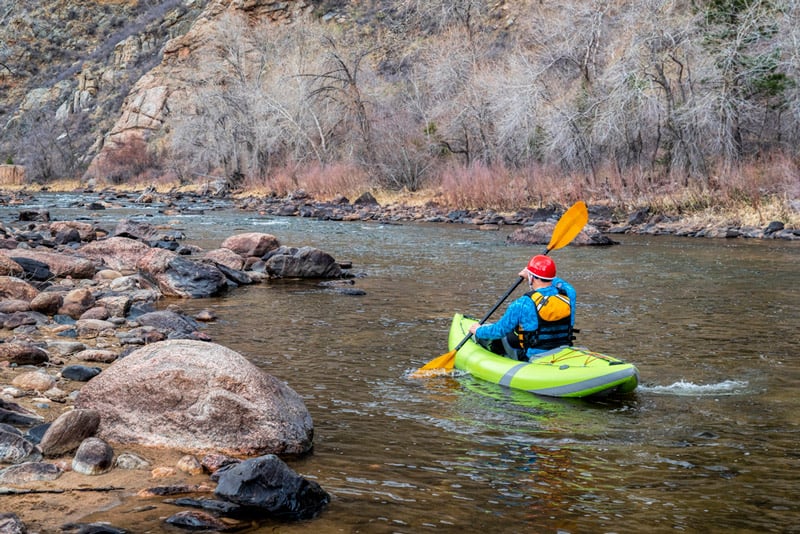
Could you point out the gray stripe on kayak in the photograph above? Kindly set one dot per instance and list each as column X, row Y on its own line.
column 586, row 384
column 506, row 380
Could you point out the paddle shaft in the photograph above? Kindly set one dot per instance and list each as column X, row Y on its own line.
column 494, row 309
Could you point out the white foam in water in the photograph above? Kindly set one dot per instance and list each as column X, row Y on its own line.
column 727, row 387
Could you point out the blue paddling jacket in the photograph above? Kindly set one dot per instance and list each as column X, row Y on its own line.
column 523, row 317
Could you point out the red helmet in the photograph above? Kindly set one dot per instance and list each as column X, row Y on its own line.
column 542, row 267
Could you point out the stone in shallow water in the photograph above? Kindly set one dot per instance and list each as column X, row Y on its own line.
column 197, row 520
column 94, row 457
column 267, row 485
column 29, row 472
column 80, row 373
column 15, row 449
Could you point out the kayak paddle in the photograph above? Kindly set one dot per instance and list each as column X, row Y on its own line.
column 568, row 226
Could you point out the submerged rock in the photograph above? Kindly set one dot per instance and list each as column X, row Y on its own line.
column 267, row 485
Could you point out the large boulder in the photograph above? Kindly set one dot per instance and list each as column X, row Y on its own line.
column 197, row 397
column 178, row 276
column 304, row 262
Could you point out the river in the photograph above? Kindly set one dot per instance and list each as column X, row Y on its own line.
column 708, row 442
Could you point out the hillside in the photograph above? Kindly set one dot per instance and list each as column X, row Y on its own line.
column 495, row 104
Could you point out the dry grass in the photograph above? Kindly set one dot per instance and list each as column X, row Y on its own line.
column 750, row 194
column 321, row 182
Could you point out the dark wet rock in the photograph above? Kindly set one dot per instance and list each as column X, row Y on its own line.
column 66, row 236
column 181, row 277
column 304, row 262
column 36, row 433
column 251, row 243
column 270, row 486
column 349, row 291
column 22, row 354
column 773, row 227
column 197, row 520
column 197, row 397
column 212, row 505
column 173, row 324
column 366, row 200
column 70, row 333
column 15, row 317
column 34, row 216
column 591, row 235
column 142, row 336
column 29, row 472
column 80, row 373
column 11, row 524
column 15, row 449
column 12, row 287
column 63, row 319
column 5, row 427
column 239, row 278
column 639, row 216
column 33, row 269
column 92, row 528
column 13, row 414
column 67, row 432
column 93, row 457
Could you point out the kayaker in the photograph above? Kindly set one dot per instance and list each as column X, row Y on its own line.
column 540, row 320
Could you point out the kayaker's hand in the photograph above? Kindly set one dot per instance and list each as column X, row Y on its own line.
column 473, row 327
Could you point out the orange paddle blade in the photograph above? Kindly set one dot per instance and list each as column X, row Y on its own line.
column 446, row 361
column 569, row 225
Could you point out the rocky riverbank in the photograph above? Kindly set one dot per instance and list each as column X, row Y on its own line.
column 605, row 219
column 104, row 394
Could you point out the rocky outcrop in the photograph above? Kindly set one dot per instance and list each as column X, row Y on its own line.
column 197, row 396
column 161, row 94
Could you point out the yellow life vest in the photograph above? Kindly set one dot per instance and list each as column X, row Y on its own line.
column 552, row 308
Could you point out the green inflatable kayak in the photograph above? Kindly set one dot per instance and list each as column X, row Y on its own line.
column 561, row 372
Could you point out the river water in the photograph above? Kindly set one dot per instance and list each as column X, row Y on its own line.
column 708, row 442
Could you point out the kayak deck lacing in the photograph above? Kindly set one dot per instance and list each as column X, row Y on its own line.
column 566, row 354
